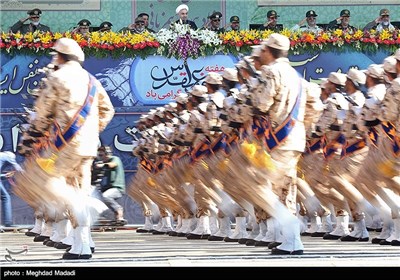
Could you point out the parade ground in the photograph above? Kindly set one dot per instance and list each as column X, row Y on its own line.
column 126, row 248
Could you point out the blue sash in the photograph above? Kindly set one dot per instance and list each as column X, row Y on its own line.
column 314, row 145
column 201, row 150
column 147, row 165
column 390, row 131
column 63, row 137
column 273, row 139
column 330, row 148
column 347, row 149
column 373, row 135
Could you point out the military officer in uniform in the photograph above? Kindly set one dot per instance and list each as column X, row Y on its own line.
column 342, row 22
column 382, row 22
column 215, row 23
column 234, row 23
column 83, row 27
column 105, row 26
column 135, row 28
column 146, row 17
column 272, row 22
column 34, row 25
column 311, row 26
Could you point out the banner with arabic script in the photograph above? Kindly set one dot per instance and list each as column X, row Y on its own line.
column 162, row 79
column 130, row 82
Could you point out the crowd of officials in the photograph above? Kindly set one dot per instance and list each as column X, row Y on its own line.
column 141, row 23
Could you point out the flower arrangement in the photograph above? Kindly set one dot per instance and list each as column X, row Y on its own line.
column 181, row 42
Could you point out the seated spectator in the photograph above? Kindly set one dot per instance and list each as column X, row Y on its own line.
column 34, row 25
column 215, row 22
column 135, row 28
column 182, row 12
column 105, row 26
column 380, row 23
column 234, row 23
column 311, row 26
column 146, row 17
column 82, row 27
column 272, row 22
column 342, row 22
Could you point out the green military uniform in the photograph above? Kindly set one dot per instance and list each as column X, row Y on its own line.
column 24, row 28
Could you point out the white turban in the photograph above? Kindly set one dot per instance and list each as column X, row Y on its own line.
column 181, row 7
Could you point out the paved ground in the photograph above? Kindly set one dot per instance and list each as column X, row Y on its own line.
column 126, row 248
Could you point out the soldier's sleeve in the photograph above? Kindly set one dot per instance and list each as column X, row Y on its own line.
column 266, row 99
column 46, row 105
column 44, row 28
column 389, row 107
column 326, row 119
column 370, row 25
column 17, row 26
column 106, row 109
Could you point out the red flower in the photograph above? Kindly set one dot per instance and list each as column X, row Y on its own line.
column 239, row 44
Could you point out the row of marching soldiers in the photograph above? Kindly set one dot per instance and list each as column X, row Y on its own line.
column 276, row 152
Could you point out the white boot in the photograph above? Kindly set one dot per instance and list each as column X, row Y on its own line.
column 396, row 241
column 359, row 232
column 184, row 226
column 272, row 233
column 326, row 225
column 188, row 225
column 255, row 231
column 240, row 230
column 396, row 231
column 213, row 225
column 202, row 229
column 192, row 224
column 81, row 247
column 178, row 223
column 303, row 224
column 315, row 224
column 341, row 229
column 37, row 228
column 166, row 226
column 159, row 225
column 223, row 231
column 376, row 222
column 387, row 229
column 291, row 234
column 263, row 231
column 148, row 225
column 69, row 239
column 61, row 230
column 47, row 231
